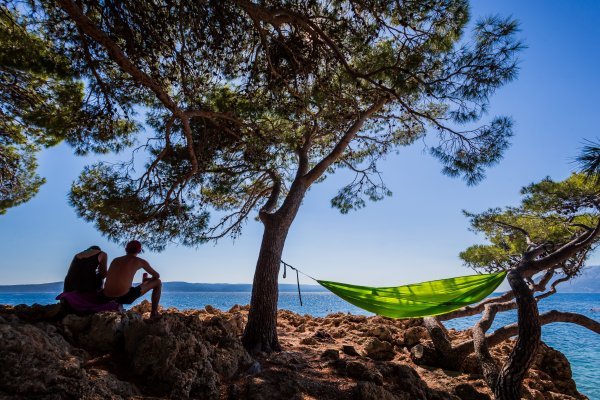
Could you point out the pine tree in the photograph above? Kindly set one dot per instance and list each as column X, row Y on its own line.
column 250, row 104
column 543, row 242
column 41, row 103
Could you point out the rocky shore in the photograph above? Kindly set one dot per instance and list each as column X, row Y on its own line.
column 197, row 354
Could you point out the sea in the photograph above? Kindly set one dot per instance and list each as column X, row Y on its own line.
column 581, row 346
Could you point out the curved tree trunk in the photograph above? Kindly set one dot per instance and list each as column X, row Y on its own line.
column 260, row 334
column 513, row 372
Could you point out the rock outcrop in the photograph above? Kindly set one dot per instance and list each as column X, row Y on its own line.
column 198, row 355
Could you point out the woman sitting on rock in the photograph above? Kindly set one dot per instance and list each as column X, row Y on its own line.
column 87, row 271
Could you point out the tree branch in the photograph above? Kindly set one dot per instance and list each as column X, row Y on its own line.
column 117, row 55
column 488, row 364
column 274, row 196
column 438, row 335
column 339, row 148
column 563, row 253
column 516, row 228
column 476, row 309
column 508, row 331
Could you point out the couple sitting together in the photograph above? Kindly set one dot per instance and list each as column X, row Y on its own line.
column 83, row 288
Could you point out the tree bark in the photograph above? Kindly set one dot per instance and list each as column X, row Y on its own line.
column 486, row 361
column 260, row 334
column 510, row 378
column 442, row 353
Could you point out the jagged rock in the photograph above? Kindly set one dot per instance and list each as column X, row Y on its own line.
column 356, row 318
column 234, row 324
column 468, row 392
column 360, row 371
column 255, row 368
column 356, row 369
column 110, row 386
column 37, row 362
column 234, row 392
column 331, row 354
column 34, row 312
column 235, row 308
column 309, row 341
column 198, row 354
column 144, row 307
column 407, row 382
column 414, row 335
column 349, row 350
column 75, row 324
column 104, row 332
column 323, row 336
column 381, row 332
column 551, row 372
column 370, row 391
column 288, row 359
column 378, row 350
column 176, row 355
column 532, row 394
column 210, row 309
column 277, row 385
column 471, row 364
column 338, row 333
column 34, row 362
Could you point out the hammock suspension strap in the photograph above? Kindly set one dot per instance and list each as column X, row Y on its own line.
column 285, row 266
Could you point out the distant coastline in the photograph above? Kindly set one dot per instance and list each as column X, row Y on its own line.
column 56, row 287
column 588, row 282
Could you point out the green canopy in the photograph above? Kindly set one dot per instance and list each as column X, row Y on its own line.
column 420, row 299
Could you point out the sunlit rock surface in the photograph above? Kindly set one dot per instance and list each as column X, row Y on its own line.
column 197, row 354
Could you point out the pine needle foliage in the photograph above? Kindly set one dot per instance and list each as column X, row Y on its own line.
column 246, row 102
column 551, row 215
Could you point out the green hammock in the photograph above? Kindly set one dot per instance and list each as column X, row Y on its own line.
column 420, row 299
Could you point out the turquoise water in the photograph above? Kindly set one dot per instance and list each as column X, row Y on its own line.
column 581, row 346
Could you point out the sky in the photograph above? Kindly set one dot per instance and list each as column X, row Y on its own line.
column 413, row 236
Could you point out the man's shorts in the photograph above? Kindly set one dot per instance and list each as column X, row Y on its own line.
column 131, row 296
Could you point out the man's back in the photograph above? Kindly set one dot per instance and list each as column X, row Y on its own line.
column 120, row 275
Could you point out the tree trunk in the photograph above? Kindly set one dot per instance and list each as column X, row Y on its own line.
column 260, row 334
column 513, row 372
column 442, row 353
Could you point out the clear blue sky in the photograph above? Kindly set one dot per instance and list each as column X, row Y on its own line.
column 413, row 236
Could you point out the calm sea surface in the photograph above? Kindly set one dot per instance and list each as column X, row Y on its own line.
column 581, row 346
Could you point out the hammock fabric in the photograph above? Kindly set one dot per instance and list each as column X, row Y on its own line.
column 420, row 299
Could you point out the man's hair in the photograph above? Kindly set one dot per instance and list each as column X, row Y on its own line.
column 94, row 248
column 133, row 247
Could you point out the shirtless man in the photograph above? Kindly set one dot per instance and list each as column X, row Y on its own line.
column 120, row 277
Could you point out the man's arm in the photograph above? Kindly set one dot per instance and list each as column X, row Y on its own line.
column 102, row 267
column 150, row 270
